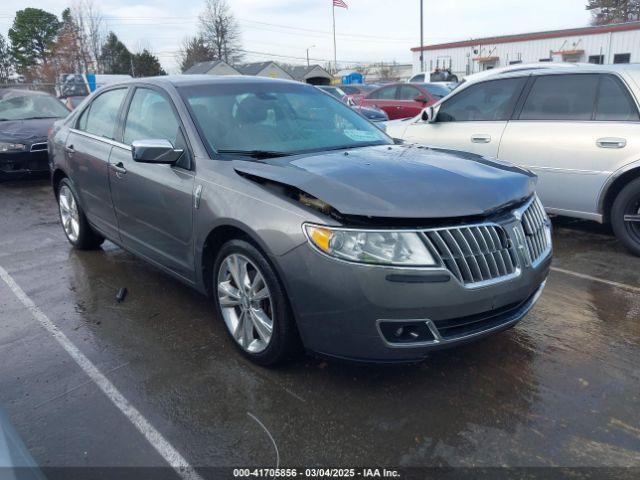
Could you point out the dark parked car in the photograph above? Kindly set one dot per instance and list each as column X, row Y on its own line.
column 25, row 118
column 403, row 100
column 303, row 221
column 373, row 114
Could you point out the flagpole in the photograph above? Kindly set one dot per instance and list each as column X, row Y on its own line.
column 335, row 54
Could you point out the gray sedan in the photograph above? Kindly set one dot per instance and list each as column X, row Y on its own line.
column 306, row 224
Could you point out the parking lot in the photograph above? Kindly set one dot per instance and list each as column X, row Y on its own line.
column 562, row 388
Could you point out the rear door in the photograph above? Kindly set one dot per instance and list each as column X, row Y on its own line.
column 385, row 99
column 472, row 120
column 573, row 131
column 88, row 147
column 154, row 203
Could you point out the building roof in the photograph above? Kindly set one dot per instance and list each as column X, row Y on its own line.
column 253, row 68
column 523, row 37
column 203, row 67
column 302, row 72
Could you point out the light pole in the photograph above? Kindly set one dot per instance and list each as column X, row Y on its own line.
column 312, row 46
column 421, row 38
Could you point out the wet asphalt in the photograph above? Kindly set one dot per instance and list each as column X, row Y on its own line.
column 560, row 389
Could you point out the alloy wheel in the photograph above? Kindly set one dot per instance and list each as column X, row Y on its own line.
column 69, row 213
column 245, row 302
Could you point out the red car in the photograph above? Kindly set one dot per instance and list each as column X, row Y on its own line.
column 402, row 100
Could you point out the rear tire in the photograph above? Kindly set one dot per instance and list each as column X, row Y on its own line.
column 249, row 298
column 625, row 215
column 74, row 222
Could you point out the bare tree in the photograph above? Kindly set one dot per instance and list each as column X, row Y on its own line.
column 220, row 31
column 91, row 21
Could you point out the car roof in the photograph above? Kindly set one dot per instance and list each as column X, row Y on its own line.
column 204, row 79
column 546, row 68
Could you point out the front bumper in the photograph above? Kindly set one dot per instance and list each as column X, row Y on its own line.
column 347, row 310
column 23, row 163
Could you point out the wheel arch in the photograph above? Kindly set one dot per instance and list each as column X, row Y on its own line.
column 614, row 188
column 56, row 177
column 219, row 234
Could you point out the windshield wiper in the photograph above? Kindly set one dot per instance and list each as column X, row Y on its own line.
column 256, row 153
column 40, row 117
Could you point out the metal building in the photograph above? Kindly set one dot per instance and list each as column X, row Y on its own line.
column 619, row 43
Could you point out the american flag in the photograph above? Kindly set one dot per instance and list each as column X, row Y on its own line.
column 339, row 3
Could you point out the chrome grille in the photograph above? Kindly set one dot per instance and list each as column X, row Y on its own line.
column 534, row 223
column 475, row 254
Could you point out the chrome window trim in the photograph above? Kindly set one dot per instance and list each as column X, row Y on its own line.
column 101, row 139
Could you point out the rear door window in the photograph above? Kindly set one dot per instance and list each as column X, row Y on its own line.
column 385, row 93
column 487, row 101
column 614, row 102
column 561, row 97
column 101, row 116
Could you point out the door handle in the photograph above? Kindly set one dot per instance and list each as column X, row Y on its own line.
column 119, row 168
column 69, row 149
column 611, row 142
column 480, row 138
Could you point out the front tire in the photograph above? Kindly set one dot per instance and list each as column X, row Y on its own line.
column 625, row 216
column 74, row 222
column 250, row 300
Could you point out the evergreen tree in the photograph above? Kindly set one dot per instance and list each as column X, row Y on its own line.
column 115, row 57
column 145, row 64
column 614, row 11
column 193, row 50
column 32, row 36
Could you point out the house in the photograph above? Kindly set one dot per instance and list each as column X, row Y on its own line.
column 214, row 67
column 602, row 44
column 312, row 74
column 264, row 69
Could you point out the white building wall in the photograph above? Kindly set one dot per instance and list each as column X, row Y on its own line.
column 462, row 63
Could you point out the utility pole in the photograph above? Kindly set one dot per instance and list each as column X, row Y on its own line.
column 421, row 38
column 335, row 54
column 312, row 46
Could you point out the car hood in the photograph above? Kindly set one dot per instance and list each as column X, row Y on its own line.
column 401, row 181
column 25, row 131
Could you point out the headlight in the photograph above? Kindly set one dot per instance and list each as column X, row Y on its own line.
column 372, row 247
column 11, row 147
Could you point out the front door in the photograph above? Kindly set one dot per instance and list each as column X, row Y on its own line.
column 472, row 120
column 88, row 147
column 154, row 203
column 573, row 132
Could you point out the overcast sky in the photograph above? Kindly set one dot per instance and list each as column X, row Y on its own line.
column 370, row 30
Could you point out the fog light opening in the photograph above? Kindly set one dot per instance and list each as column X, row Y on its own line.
column 406, row 333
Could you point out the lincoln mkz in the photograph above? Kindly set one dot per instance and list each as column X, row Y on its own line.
column 306, row 224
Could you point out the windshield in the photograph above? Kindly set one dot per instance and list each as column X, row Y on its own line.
column 437, row 91
column 26, row 106
column 277, row 117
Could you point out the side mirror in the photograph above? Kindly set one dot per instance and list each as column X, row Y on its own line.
column 430, row 114
column 155, row 151
column 421, row 99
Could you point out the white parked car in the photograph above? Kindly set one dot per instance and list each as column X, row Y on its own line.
column 577, row 128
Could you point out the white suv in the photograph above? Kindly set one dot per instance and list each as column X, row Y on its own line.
column 577, row 128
